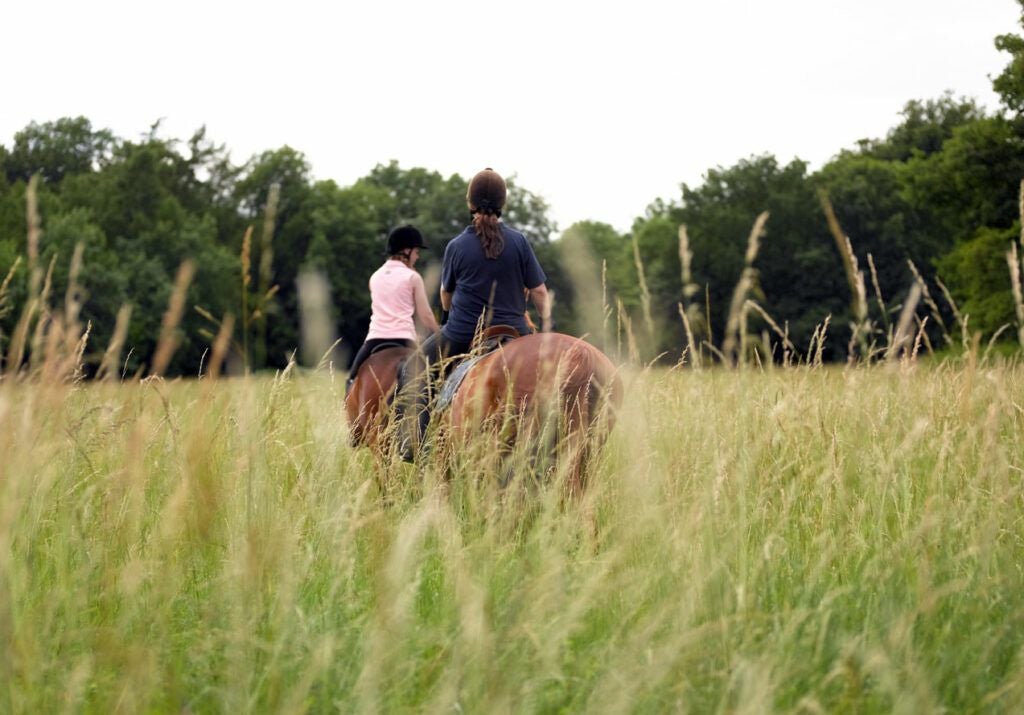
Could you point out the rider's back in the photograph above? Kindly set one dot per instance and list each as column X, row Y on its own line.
column 479, row 284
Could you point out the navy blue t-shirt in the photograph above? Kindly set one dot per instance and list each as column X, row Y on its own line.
column 478, row 283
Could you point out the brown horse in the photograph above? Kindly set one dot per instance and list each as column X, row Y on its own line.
column 543, row 380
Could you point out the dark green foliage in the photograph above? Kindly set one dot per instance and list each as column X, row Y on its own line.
column 141, row 208
column 973, row 182
column 799, row 272
column 1010, row 83
column 869, row 204
column 977, row 270
column 528, row 212
column 347, row 244
column 424, row 198
column 589, row 268
column 925, row 126
column 57, row 149
column 933, row 193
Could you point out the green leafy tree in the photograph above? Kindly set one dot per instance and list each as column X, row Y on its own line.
column 942, row 174
column 214, row 177
column 437, row 206
column 527, row 212
column 1009, row 85
column 800, row 275
column 976, row 270
column 968, row 195
column 868, row 197
column 11, row 249
column 277, row 262
column 101, row 278
column 56, row 149
column 140, row 208
column 925, row 126
column 974, row 189
column 150, row 214
column 424, row 198
column 973, row 182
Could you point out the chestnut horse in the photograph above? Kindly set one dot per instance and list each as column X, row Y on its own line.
column 512, row 393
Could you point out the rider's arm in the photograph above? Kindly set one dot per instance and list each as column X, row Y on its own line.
column 539, row 296
column 423, row 313
column 446, row 299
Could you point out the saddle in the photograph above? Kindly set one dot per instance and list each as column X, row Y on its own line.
column 493, row 338
column 387, row 345
column 486, row 342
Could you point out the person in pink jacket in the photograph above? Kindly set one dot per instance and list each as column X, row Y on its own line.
column 397, row 296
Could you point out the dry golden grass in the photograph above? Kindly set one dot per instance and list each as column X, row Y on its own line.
column 802, row 539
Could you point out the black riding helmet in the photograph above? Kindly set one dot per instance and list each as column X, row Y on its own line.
column 403, row 238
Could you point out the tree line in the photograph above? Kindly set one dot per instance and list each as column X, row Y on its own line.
column 936, row 200
column 142, row 207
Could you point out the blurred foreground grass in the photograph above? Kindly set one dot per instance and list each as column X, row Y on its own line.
column 819, row 540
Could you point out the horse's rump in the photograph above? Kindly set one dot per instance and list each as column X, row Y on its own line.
column 367, row 404
column 524, row 385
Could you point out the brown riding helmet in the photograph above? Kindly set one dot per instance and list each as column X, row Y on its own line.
column 486, row 193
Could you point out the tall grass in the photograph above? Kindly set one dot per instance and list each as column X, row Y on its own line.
column 734, row 344
column 807, row 539
column 860, row 327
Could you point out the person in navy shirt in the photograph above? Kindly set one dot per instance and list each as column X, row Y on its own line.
column 485, row 271
column 488, row 271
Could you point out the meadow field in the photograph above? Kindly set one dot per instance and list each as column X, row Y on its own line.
column 810, row 539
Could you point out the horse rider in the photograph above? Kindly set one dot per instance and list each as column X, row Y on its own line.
column 397, row 296
column 488, row 271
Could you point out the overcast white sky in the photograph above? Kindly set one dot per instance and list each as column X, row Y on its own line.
column 598, row 107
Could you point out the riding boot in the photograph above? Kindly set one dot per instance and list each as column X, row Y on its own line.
column 406, row 422
column 348, row 386
column 414, row 407
column 405, row 440
column 423, row 420
column 413, row 428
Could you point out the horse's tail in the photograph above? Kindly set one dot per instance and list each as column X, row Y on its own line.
column 592, row 394
column 593, row 388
